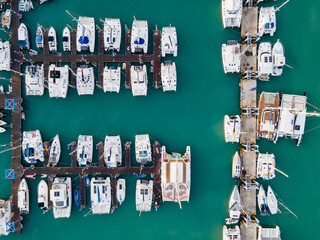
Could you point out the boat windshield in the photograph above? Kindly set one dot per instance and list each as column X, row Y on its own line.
column 65, row 39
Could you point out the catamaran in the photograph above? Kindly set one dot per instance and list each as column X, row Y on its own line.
column 231, row 13
column 85, row 80
column 234, row 206
column 169, row 42
column 86, row 34
column 112, row 151
column 236, row 165
column 143, row 148
column 262, row 202
column 100, row 195
column 175, row 176
column 269, row 233
column 112, row 34
column 6, row 19
column 43, row 195
column 266, row 166
column 84, row 150
column 231, row 56
column 231, row 233
column 5, row 56
column 55, row 151
column 144, row 192
column 139, row 36
column 279, row 59
column 39, row 37
column 121, row 190
column 32, row 147
column 139, row 80
column 111, row 79
column 52, row 40
column 272, row 201
column 23, row 37
column 5, row 216
column 58, row 81
column 169, row 76
column 265, row 61
column 61, row 197
column 34, row 80
column 232, row 127
column 267, row 21
column 66, row 40
column 25, row 5
column 23, row 197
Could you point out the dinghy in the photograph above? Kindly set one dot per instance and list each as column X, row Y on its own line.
column 55, row 151
column 23, row 197
column 43, row 195
column 121, row 190
column 6, row 19
column 272, row 201
column 236, row 165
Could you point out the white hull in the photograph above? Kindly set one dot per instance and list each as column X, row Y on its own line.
column 139, row 37
column 144, row 192
column 266, row 166
column 112, row 34
column 23, row 197
column 5, row 56
column 121, row 190
column 231, row 13
column 234, row 206
column 112, row 151
column 55, row 151
column 43, row 195
column 23, row 37
column 32, row 147
column 6, row 19
column 58, row 81
column 232, row 128
column 272, row 201
column 84, row 150
column 231, row 57
column 52, row 40
column 265, row 61
column 86, row 34
column 2, row 130
column 5, row 216
column 2, row 123
column 169, row 42
column 262, row 202
column 111, row 79
column 39, row 37
column 236, row 166
column 85, row 81
column 34, row 80
column 100, row 196
column 278, row 59
column 66, row 40
column 267, row 21
column 139, row 80
column 169, row 77
column 143, row 148
column 61, row 197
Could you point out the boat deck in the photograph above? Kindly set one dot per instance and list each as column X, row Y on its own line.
column 249, row 23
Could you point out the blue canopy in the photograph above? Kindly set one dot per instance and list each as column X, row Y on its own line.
column 38, row 38
column 139, row 41
column 83, row 40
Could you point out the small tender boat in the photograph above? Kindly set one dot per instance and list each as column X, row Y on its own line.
column 143, row 148
column 85, row 80
column 23, row 197
column 39, row 37
column 2, row 130
column 43, row 195
column 231, row 57
column 231, row 13
column 139, row 36
column 2, row 123
column 5, row 216
column 66, row 40
column 139, row 80
column 86, row 34
column 266, row 166
column 55, row 151
column 279, row 59
column 100, row 195
column 34, row 80
column 231, row 233
column 265, row 61
column 6, row 19
column 84, row 150
column 169, row 42
column 232, row 126
column 169, row 76
column 77, row 196
column 121, row 190
column 32, row 147
column 58, row 81
column 236, row 165
column 267, row 21
column 144, row 191
column 111, row 79
column 61, row 197
column 25, row 5
column 23, row 37
column 112, row 151
column 5, row 56
column 52, row 40
column 234, row 206
column 112, row 34
column 30, row 176
column 272, row 201
column 262, row 202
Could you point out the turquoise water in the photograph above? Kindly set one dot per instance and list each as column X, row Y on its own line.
column 191, row 116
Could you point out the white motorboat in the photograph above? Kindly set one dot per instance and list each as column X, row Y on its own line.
column 2, row 130
column 23, row 197
column 144, row 192
column 23, row 37
column 43, row 195
column 5, row 56
column 236, row 165
column 58, row 81
column 139, row 36
column 112, row 151
column 2, row 123
column 52, row 40
column 111, row 79
column 232, row 128
column 175, row 176
column 25, row 5
column 34, row 80
column 84, row 150
column 86, row 34
column 234, row 206
column 169, row 76
column 100, row 195
column 39, row 37
column 266, row 166
column 267, row 21
column 272, row 201
column 66, row 40
column 143, row 148
column 61, row 197
column 262, row 202
column 265, row 61
column 112, row 34
column 169, row 41
column 85, row 80
column 55, row 151
column 5, row 216
column 32, row 147
column 279, row 59
column 139, row 80
column 121, row 190
column 231, row 57
column 6, row 19
column 231, row 13
column 231, row 233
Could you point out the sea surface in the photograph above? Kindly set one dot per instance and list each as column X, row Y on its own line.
column 191, row 116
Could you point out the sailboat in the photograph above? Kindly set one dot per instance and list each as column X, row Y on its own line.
column 236, row 165
column 84, row 149
column 111, row 79
column 169, row 76
column 266, row 166
column 231, row 57
column 39, row 37
column 262, row 202
column 265, row 61
column 32, row 147
column 52, row 40
column 169, row 42
column 61, row 197
column 267, row 21
column 85, row 80
column 43, row 195
column 100, row 190
column 23, row 37
column 58, row 81
column 55, row 151
column 139, row 36
column 6, row 19
column 232, row 127
column 5, row 56
column 144, row 192
column 234, row 206
column 139, row 80
column 23, row 197
column 143, row 148
column 231, row 233
column 86, row 34
column 121, row 190
column 112, row 34
column 272, row 201
column 279, row 59
column 66, row 40
column 112, row 151
column 34, row 80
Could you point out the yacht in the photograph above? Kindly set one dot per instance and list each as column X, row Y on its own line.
column 234, row 206
column 34, row 80
column 2, row 123
column 121, row 190
column 112, row 34
column 84, row 149
column 43, row 195
column 111, row 79
column 143, row 148
column 144, row 192
column 169, row 42
column 265, row 61
column 267, row 21
column 23, row 37
column 266, row 166
column 5, row 216
column 272, row 201
column 52, row 40
column 169, row 76
column 85, row 80
column 32, row 147
column 231, row 233
column 231, row 56
column 6, row 19
column 269, row 233
column 279, row 59
column 25, row 5
column 236, row 165
column 231, row 13
column 23, row 197
column 139, row 80
column 55, row 151
column 58, row 81
column 262, row 202
column 175, row 176
column 66, row 40
column 112, row 151
column 39, row 37
column 61, row 197
column 232, row 128
column 2, row 130
column 100, row 195
column 139, row 36
column 86, row 34
column 5, row 56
